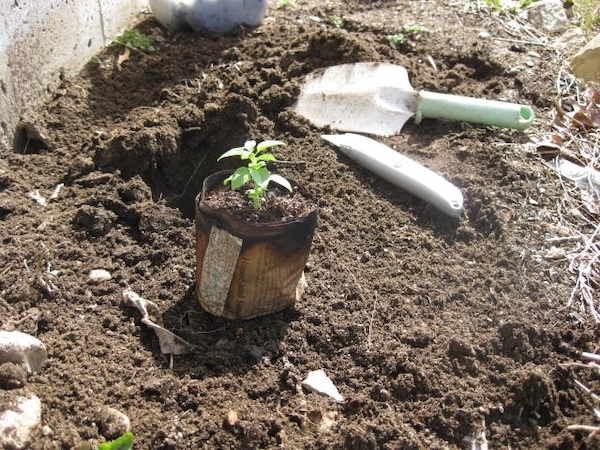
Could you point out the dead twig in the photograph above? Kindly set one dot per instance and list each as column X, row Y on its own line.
column 371, row 320
column 593, row 358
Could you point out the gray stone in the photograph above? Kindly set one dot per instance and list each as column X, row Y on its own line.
column 112, row 423
column 22, row 349
column 586, row 62
column 18, row 420
column 548, row 15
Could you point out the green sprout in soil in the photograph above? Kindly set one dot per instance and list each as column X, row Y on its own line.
column 283, row 4
column 526, row 3
column 414, row 29
column 499, row 5
column 134, row 40
column 396, row 39
column 125, row 442
column 95, row 61
column 496, row 5
column 255, row 173
column 337, row 21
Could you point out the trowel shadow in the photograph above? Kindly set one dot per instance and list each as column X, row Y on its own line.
column 410, row 208
column 221, row 345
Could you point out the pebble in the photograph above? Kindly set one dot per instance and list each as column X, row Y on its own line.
column 22, row 349
column 514, row 71
column 18, row 420
column 112, row 423
column 317, row 381
column 99, row 275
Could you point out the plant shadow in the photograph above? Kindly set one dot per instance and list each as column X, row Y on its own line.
column 222, row 345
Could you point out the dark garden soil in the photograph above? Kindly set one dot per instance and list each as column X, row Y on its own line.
column 433, row 329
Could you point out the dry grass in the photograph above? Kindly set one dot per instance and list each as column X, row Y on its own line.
column 574, row 136
column 588, row 12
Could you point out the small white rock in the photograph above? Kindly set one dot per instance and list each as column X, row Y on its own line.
column 112, row 422
column 18, row 420
column 317, row 381
column 23, row 349
column 99, row 275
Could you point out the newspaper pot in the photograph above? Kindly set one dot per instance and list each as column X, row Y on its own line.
column 245, row 269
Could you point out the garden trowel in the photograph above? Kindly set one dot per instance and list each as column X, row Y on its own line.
column 377, row 98
column 400, row 171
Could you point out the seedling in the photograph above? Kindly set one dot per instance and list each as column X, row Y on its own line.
column 95, row 61
column 414, row 29
column 134, row 40
column 396, row 39
column 125, row 442
column 256, row 173
column 283, row 4
column 496, row 5
column 337, row 21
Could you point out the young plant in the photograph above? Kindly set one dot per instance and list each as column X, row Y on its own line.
column 134, row 40
column 396, row 39
column 255, row 173
column 283, row 4
column 337, row 21
column 496, row 5
column 125, row 442
column 414, row 29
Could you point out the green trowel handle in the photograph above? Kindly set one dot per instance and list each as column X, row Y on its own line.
column 467, row 109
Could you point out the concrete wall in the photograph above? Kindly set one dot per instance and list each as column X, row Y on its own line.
column 40, row 40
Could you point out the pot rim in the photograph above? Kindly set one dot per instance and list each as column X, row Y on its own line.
column 251, row 228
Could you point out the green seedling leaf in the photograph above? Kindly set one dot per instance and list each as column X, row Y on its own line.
column 396, row 39
column 239, row 178
column 238, row 151
column 134, row 40
column 255, row 173
column 266, row 157
column 264, row 145
column 125, row 442
column 250, row 147
column 95, row 61
column 337, row 21
column 414, row 28
column 261, row 178
column 286, row 4
column 281, row 181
